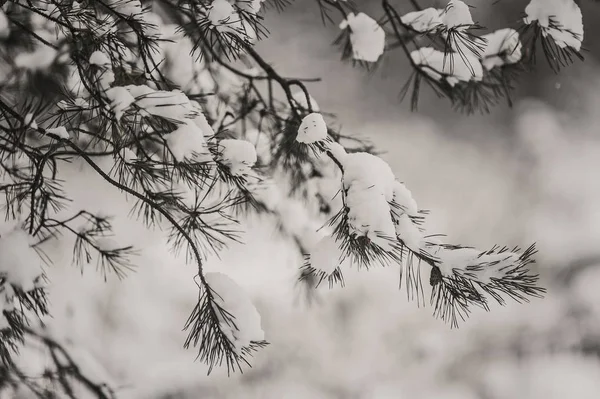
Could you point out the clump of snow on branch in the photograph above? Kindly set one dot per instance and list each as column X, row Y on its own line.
column 369, row 185
column 244, row 325
column 100, row 59
column 407, row 208
column 366, row 36
column 502, row 47
column 404, row 199
column 120, row 99
column 452, row 68
column 409, row 233
column 59, row 131
column 180, row 64
column 221, row 11
column 105, row 75
column 384, row 210
column 559, row 19
column 425, row 20
column 187, row 141
column 312, row 129
column 239, row 155
column 172, row 105
column 457, row 15
column 224, row 17
column 337, row 150
column 462, row 261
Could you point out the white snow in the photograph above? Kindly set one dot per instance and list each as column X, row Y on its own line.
column 224, row 17
column 326, row 256
column 457, row 15
column 19, row 263
column 502, row 47
column 457, row 260
column 60, row 131
column 337, row 150
column 370, row 188
column 173, row 105
column 409, row 233
column 187, row 142
column 39, row 59
column 120, row 99
column 312, row 129
column 220, row 12
column 423, row 21
column 369, row 182
column 106, row 78
column 246, row 327
column 369, row 215
column 496, row 266
column 366, row 36
column 188, row 139
column 451, row 67
column 566, row 18
column 201, row 121
column 239, row 155
column 403, row 197
column 181, row 65
column 367, row 171
column 99, row 58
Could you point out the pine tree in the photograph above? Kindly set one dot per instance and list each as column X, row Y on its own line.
column 169, row 102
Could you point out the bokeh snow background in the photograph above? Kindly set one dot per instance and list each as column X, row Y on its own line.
column 513, row 177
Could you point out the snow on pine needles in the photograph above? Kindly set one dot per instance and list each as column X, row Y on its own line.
column 160, row 114
column 380, row 223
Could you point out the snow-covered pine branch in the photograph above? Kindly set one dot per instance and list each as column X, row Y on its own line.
column 475, row 70
column 143, row 95
column 379, row 222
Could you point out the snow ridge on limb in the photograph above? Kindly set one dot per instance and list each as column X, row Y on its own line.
column 224, row 324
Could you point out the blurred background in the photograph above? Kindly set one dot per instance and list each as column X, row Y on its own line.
column 516, row 176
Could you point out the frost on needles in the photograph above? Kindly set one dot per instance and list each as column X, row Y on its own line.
column 170, row 103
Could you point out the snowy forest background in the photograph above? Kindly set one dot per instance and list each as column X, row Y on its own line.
column 521, row 175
